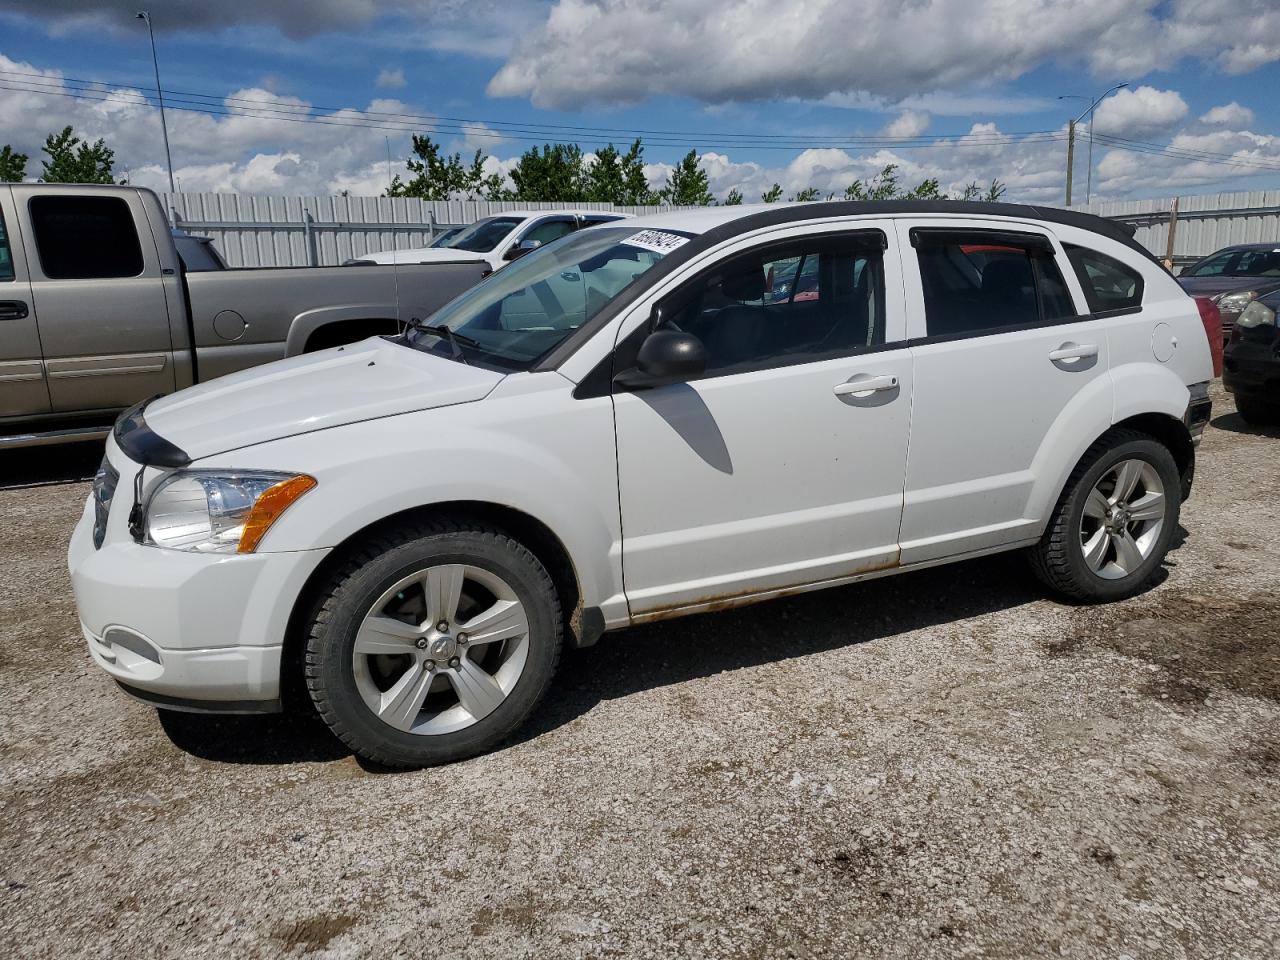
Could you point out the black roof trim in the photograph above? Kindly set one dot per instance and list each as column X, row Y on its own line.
column 794, row 213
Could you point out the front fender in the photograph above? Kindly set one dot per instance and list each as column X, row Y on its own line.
column 507, row 452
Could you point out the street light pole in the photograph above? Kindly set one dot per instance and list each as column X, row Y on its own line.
column 164, row 126
column 1088, row 111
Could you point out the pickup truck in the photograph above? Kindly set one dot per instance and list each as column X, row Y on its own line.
column 99, row 311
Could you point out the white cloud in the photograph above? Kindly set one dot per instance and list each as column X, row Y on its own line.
column 767, row 49
column 909, row 123
column 391, row 79
column 1228, row 115
column 1141, row 112
column 240, row 152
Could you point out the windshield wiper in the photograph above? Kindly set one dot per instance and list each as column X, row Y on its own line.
column 456, row 340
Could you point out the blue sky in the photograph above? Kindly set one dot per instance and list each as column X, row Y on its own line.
column 785, row 90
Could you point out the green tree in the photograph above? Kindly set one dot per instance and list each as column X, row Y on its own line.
column 808, row 195
column 617, row 177
column 602, row 181
column 440, row 176
column 734, row 198
column 926, row 190
column 554, row 172
column 72, row 160
column 772, row 195
column 13, row 165
column 688, row 184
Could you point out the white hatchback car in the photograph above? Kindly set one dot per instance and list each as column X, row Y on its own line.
column 659, row 417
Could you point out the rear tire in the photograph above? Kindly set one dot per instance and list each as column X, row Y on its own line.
column 1091, row 551
column 1256, row 411
column 389, row 662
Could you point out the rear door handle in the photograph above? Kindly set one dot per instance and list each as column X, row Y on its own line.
column 863, row 384
column 1074, row 351
column 12, row 310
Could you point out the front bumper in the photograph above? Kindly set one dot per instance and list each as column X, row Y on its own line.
column 185, row 630
column 1252, row 367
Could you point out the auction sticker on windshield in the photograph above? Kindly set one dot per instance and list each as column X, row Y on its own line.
column 656, row 241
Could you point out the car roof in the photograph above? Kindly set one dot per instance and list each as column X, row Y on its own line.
column 742, row 219
column 557, row 212
column 1273, row 245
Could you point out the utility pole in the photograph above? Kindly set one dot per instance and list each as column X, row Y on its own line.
column 389, row 178
column 1088, row 111
column 164, row 126
column 1071, row 157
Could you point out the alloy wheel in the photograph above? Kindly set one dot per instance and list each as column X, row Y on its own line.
column 1123, row 517
column 441, row 649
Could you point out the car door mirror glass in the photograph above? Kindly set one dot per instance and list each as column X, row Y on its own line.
column 665, row 357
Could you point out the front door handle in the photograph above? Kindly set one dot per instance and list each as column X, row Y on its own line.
column 12, row 310
column 1074, row 351
column 864, row 385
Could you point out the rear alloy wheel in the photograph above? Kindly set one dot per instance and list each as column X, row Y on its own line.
column 1122, row 519
column 433, row 645
column 1112, row 526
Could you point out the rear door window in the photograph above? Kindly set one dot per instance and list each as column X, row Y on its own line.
column 977, row 283
column 85, row 238
column 1109, row 285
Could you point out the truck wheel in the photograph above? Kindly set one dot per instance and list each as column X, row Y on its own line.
column 433, row 644
column 1256, row 411
column 1114, row 521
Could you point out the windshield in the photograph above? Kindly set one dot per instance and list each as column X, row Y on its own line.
column 1239, row 263
column 483, row 235
column 444, row 239
column 526, row 309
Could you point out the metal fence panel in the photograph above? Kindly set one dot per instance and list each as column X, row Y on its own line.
column 265, row 231
column 1205, row 223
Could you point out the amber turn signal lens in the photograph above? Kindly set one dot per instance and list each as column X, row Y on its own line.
column 273, row 502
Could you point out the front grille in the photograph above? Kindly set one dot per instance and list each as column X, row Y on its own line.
column 104, row 489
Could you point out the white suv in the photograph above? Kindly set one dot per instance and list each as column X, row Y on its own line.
column 499, row 239
column 654, row 418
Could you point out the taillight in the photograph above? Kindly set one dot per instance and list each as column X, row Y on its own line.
column 1211, row 317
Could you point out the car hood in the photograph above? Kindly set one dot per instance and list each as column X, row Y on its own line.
column 361, row 381
column 1212, row 286
column 429, row 255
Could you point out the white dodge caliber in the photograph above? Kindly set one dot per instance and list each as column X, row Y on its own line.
column 638, row 421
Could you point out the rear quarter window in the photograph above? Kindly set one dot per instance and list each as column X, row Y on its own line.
column 1109, row 285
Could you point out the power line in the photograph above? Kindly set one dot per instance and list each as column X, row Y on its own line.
column 284, row 110
column 281, row 110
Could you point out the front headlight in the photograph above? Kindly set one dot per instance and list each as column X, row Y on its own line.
column 1235, row 302
column 219, row 511
column 1257, row 315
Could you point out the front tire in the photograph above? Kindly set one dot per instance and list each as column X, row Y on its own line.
column 1114, row 522
column 433, row 644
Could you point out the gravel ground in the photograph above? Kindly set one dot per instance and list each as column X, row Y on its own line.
column 939, row 764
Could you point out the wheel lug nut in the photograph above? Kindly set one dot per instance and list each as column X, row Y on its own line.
column 429, row 666
column 462, row 639
column 455, row 663
column 443, row 626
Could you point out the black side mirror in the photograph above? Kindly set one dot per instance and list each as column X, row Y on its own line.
column 521, row 248
column 666, row 356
